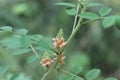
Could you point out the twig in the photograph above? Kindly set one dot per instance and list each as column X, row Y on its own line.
column 35, row 52
column 88, row 21
column 70, row 73
column 78, row 24
column 75, row 21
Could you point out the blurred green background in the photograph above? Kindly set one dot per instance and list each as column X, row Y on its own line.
column 92, row 47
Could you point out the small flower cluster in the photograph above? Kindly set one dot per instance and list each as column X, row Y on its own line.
column 46, row 62
column 62, row 58
column 58, row 43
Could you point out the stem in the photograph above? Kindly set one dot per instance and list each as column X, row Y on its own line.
column 75, row 21
column 78, row 24
column 80, row 4
column 92, row 20
column 33, row 49
column 75, row 30
column 70, row 73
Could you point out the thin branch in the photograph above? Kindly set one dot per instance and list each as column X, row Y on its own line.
column 81, row 4
column 70, row 73
column 76, row 16
column 78, row 24
column 88, row 21
column 35, row 52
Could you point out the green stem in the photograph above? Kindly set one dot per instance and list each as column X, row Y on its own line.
column 33, row 49
column 80, row 4
column 78, row 24
column 70, row 73
column 46, row 75
column 76, row 16
column 92, row 20
column 74, row 31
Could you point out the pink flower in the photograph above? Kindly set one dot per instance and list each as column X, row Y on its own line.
column 59, row 43
column 46, row 62
column 62, row 58
column 62, row 44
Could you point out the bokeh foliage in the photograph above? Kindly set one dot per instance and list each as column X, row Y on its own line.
column 94, row 46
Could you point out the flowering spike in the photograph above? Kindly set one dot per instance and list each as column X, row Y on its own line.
column 59, row 40
column 60, row 33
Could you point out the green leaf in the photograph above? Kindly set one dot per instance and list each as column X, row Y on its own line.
column 108, row 21
column 25, row 41
column 77, row 78
column 89, row 15
column 36, row 37
column 21, row 77
column 31, row 59
column 77, row 69
column 3, row 69
column 92, row 74
column 9, row 76
column 22, row 31
column 80, row 57
column 6, row 28
column 11, row 42
column 65, row 4
column 70, row 11
column 93, row 4
column 105, row 11
column 21, row 51
column 21, row 9
column 68, row 77
column 5, row 34
column 43, row 44
column 13, row 77
column 111, row 79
